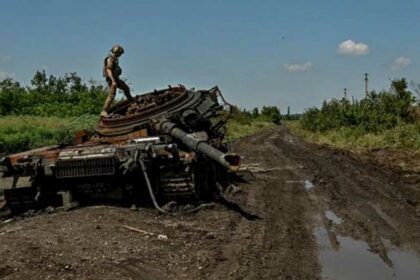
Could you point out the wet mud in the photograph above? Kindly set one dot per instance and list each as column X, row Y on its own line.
column 319, row 213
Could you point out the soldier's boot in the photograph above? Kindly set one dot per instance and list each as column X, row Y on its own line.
column 104, row 114
column 129, row 96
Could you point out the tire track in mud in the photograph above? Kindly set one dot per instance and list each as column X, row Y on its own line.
column 281, row 245
column 370, row 204
column 376, row 205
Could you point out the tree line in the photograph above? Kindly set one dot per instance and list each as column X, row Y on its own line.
column 376, row 112
column 70, row 96
column 49, row 95
column 266, row 114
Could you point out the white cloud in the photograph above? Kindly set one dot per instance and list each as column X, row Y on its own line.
column 400, row 63
column 5, row 75
column 350, row 47
column 298, row 67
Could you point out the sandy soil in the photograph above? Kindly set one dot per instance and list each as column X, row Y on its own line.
column 310, row 213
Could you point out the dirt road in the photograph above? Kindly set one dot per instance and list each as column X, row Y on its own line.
column 311, row 213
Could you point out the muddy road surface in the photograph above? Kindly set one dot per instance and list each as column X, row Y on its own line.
column 307, row 212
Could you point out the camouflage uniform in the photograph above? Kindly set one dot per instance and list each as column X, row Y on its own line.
column 111, row 63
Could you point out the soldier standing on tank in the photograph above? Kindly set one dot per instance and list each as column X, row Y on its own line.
column 112, row 72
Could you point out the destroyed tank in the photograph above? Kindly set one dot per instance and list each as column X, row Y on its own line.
column 166, row 145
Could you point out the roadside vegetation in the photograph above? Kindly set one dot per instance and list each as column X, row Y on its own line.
column 52, row 109
column 47, row 112
column 244, row 123
column 48, row 96
column 403, row 136
column 19, row 133
column 385, row 119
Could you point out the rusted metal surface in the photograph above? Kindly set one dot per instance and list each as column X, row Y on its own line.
column 127, row 117
column 50, row 152
column 172, row 132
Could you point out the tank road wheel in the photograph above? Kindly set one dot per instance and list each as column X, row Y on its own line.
column 204, row 180
column 21, row 199
column 176, row 183
column 187, row 182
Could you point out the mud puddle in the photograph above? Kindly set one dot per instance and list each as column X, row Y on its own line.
column 353, row 260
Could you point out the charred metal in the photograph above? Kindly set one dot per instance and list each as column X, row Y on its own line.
column 165, row 145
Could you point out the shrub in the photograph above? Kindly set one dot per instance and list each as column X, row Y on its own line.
column 29, row 132
column 51, row 96
column 374, row 113
column 269, row 114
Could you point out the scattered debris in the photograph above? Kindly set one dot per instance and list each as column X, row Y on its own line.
column 49, row 209
column 163, row 237
column 69, row 206
column 138, row 230
column 170, row 206
column 8, row 221
column 232, row 189
column 255, row 168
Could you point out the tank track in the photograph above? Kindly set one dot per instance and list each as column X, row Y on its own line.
column 176, row 184
column 21, row 200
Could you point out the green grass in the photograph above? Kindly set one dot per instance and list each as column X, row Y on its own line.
column 403, row 137
column 238, row 130
column 18, row 133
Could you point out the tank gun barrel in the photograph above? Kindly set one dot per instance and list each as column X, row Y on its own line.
column 230, row 161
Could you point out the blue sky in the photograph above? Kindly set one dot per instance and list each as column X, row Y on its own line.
column 283, row 53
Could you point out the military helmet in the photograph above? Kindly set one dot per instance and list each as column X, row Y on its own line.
column 117, row 49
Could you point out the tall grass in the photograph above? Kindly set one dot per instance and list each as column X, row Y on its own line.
column 18, row 133
column 401, row 137
column 236, row 130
